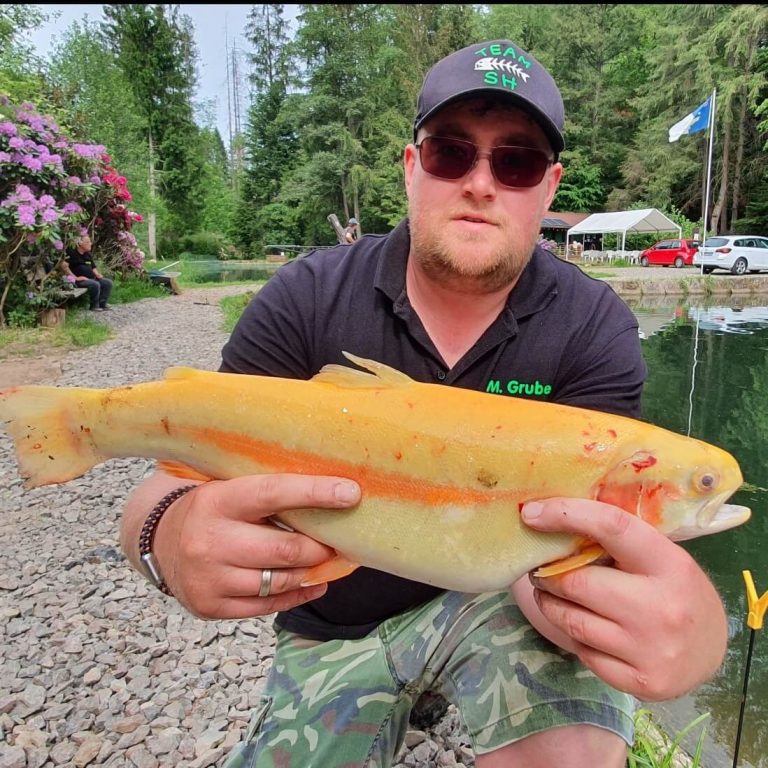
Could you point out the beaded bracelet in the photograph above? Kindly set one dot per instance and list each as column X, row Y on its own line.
column 147, row 536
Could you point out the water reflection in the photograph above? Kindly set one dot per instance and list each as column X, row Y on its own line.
column 708, row 377
column 228, row 271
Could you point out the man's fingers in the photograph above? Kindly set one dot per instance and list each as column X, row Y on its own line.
column 636, row 546
column 601, row 633
column 600, row 589
column 253, row 497
column 267, row 546
column 246, row 582
column 252, row 606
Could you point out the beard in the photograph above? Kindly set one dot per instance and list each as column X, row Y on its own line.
column 470, row 263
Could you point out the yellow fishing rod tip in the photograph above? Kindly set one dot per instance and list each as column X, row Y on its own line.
column 757, row 605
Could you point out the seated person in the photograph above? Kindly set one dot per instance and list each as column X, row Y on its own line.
column 351, row 231
column 79, row 262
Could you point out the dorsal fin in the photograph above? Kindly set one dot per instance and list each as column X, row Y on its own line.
column 380, row 375
column 182, row 372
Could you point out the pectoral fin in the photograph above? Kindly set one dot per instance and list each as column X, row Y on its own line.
column 336, row 568
column 177, row 469
column 584, row 557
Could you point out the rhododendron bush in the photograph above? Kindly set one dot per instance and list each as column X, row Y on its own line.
column 52, row 191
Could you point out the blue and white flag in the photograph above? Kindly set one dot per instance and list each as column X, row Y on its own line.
column 697, row 121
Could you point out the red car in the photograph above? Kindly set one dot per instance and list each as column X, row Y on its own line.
column 668, row 252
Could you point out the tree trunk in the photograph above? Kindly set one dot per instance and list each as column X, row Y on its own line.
column 722, row 197
column 736, row 192
column 152, row 217
column 53, row 318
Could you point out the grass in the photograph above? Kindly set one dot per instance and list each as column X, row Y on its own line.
column 79, row 330
column 128, row 289
column 654, row 749
column 233, row 307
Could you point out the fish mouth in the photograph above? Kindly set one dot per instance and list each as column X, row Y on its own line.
column 714, row 518
column 728, row 516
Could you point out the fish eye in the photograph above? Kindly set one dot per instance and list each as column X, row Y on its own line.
column 706, row 481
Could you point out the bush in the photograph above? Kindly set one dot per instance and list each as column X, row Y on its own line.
column 203, row 243
column 52, row 191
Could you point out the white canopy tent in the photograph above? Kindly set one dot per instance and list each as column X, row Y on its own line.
column 644, row 220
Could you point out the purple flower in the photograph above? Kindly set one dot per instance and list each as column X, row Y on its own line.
column 5, row 157
column 71, row 207
column 59, row 246
column 26, row 214
column 33, row 163
column 16, row 142
column 74, row 180
column 95, row 179
column 47, row 200
column 8, row 128
column 50, row 215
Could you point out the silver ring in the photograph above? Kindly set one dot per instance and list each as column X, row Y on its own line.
column 266, row 582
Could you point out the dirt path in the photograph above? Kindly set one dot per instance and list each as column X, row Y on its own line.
column 43, row 364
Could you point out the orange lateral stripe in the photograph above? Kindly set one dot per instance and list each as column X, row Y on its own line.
column 385, row 484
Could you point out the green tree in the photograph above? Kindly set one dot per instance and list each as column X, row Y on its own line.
column 19, row 67
column 89, row 87
column 155, row 50
column 271, row 143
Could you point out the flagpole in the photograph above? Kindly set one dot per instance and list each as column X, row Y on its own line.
column 709, row 170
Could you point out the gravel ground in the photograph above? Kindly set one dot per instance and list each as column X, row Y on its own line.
column 96, row 667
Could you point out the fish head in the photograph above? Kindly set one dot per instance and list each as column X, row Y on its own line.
column 681, row 488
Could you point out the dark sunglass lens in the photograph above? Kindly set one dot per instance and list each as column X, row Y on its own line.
column 447, row 158
column 519, row 166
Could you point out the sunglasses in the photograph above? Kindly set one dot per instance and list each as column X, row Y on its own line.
column 455, row 158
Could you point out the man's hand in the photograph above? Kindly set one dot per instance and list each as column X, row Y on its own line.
column 652, row 625
column 214, row 542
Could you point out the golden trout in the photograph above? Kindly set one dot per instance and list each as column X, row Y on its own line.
column 443, row 471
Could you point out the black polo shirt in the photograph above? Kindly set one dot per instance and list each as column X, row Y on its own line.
column 81, row 264
column 562, row 336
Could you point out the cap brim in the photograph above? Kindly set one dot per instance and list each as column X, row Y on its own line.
column 549, row 128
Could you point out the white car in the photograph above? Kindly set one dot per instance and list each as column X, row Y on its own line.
column 738, row 254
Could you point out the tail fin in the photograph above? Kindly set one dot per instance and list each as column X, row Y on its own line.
column 50, row 431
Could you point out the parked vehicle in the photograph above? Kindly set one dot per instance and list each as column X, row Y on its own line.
column 670, row 252
column 738, row 254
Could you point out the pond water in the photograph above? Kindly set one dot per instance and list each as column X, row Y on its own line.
column 708, row 377
column 225, row 271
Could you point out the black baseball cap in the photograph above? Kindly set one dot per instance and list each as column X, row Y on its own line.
column 496, row 67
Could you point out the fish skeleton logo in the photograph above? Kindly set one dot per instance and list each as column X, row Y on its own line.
column 490, row 63
column 502, row 66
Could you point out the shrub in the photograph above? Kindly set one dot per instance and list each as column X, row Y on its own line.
column 52, row 191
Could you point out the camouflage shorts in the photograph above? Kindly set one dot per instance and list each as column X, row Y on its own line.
column 346, row 703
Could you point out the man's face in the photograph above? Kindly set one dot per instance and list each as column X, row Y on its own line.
column 473, row 229
column 84, row 244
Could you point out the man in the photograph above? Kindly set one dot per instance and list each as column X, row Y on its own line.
column 351, row 232
column 458, row 294
column 79, row 263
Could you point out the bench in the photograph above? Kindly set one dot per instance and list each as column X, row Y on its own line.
column 167, row 280
column 73, row 293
